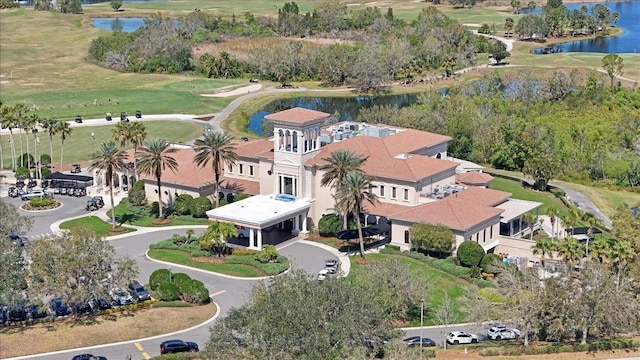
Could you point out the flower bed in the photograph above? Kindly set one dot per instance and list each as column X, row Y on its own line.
column 41, row 204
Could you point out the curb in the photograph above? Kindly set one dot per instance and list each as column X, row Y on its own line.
column 214, row 317
column 345, row 266
column 41, row 211
column 146, row 256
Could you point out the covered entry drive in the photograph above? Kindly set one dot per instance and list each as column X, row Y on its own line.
column 259, row 215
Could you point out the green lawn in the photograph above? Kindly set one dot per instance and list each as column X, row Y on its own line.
column 181, row 257
column 519, row 192
column 125, row 216
column 94, row 223
column 79, row 146
column 460, row 291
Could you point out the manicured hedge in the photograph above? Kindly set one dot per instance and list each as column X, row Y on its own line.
column 168, row 291
column 158, row 277
column 555, row 348
column 329, row 225
column 470, row 253
column 489, row 262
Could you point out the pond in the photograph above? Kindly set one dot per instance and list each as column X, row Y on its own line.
column 627, row 42
column 124, row 24
column 344, row 108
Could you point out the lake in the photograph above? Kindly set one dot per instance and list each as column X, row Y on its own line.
column 627, row 42
column 124, row 24
column 349, row 107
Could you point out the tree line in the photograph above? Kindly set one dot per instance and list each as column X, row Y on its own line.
column 561, row 125
column 376, row 48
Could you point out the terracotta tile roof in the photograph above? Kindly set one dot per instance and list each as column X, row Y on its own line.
column 453, row 214
column 297, row 115
column 384, row 208
column 382, row 161
column 411, row 140
column 481, row 196
column 255, row 148
column 474, row 178
column 193, row 176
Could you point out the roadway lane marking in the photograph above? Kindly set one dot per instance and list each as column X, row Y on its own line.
column 218, row 293
column 146, row 356
column 140, row 348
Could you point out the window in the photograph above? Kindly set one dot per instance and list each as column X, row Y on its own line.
column 250, row 170
column 478, row 236
column 405, row 195
column 394, row 192
column 241, row 169
column 406, row 237
column 230, row 168
column 491, row 232
column 484, row 235
column 381, row 190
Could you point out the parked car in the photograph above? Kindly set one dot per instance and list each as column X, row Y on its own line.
column 323, row 274
column 36, row 312
column 78, row 119
column 17, row 239
column 138, row 114
column 501, row 332
column 139, row 293
column 461, row 337
column 415, row 341
column 59, row 308
column 82, row 308
column 331, row 265
column 35, row 194
column 100, row 303
column 177, row 346
column 16, row 314
column 88, row 357
column 121, row 298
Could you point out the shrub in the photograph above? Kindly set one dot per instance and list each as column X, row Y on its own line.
column 182, row 204
column 329, row 225
column 26, row 159
column 22, row 172
column 470, row 253
column 154, row 208
column 137, row 195
column 41, row 203
column 45, row 171
column 393, row 247
column 179, row 279
column 200, row 206
column 244, row 252
column 45, row 159
column 268, row 254
column 165, row 244
column 240, row 196
column 157, row 277
column 194, row 292
column 557, row 192
column 168, row 291
column 489, row 263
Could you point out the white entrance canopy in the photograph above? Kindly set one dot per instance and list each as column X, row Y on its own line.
column 262, row 211
column 514, row 208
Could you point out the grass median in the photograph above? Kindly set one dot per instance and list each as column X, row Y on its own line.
column 183, row 258
column 70, row 334
column 99, row 226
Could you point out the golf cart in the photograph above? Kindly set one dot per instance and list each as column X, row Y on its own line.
column 94, row 203
column 108, row 117
column 75, row 168
column 14, row 192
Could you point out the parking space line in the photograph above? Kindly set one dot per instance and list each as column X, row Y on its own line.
column 140, row 348
column 218, row 293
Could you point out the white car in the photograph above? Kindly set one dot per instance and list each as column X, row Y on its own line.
column 35, row 194
column 323, row 274
column 502, row 332
column 121, row 298
column 461, row 337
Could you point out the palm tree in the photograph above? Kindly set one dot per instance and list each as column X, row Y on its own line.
column 449, row 61
column 137, row 136
column 615, row 17
column 216, row 235
column 7, row 121
column 28, row 123
column 544, row 246
column 50, row 126
column 620, row 256
column 219, row 148
column 120, row 133
column 352, row 193
column 599, row 250
column 552, row 213
column 571, row 251
column 108, row 159
column 592, row 224
column 17, row 112
column 339, row 164
column 529, row 219
column 154, row 157
column 62, row 128
column 572, row 218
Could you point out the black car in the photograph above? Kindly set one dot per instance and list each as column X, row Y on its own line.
column 415, row 341
column 100, row 303
column 88, row 357
column 35, row 312
column 139, row 293
column 78, row 119
column 177, row 346
column 138, row 114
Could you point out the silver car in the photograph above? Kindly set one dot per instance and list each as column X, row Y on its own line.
column 502, row 332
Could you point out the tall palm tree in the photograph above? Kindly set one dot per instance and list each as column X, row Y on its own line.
column 571, row 251
column 108, row 159
column 352, row 193
column 137, row 135
column 620, row 256
column 28, row 123
column 529, row 219
column 153, row 158
column 599, row 250
column 120, row 133
column 552, row 213
column 219, row 148
column 615, row 17
column 50, row 126
column 544, row 246
column 7, row 121
column 339, row 164
column 62, row 128
column 572, row 218
column 449, row 61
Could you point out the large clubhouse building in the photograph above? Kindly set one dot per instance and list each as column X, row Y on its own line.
column 415, row 181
